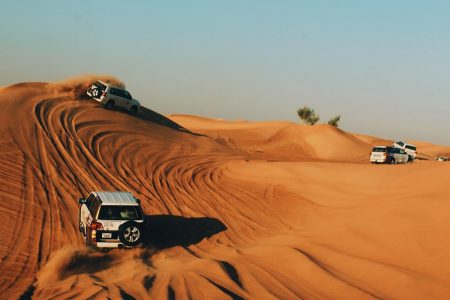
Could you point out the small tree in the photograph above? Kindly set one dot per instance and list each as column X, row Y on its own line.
column 308, row 115
column 335, row 121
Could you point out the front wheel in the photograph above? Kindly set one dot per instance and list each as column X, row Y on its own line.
column 110, row 105
column 134, row 110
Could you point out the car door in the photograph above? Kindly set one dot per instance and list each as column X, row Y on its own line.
column 115, row 94
column 128, row 99
column 405, row 156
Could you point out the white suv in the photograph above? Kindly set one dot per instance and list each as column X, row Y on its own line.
column 111, row 220
column 112, row 96
column 388, row 155
column 410, row 149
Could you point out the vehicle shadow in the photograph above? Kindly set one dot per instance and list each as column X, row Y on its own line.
column 165, row 231
column 147, row 114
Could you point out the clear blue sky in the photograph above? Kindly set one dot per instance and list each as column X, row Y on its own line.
column 383, row 65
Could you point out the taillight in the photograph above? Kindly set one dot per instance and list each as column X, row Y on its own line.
column 96, row 226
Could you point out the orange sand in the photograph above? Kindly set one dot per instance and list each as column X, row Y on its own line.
column 255, row 210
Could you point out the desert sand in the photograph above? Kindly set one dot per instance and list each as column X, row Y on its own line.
column 235, row 209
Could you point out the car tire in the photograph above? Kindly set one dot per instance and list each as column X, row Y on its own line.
column 130, row 233
column 95, row 93
column 134, row 110
column 110, row 105
column 393, row 162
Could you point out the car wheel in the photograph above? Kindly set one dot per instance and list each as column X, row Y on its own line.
column 134, row 110
column 95, row 93
column 110, row 105
column 130, row 233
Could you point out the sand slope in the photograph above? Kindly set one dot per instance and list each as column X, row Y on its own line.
column 234, row 209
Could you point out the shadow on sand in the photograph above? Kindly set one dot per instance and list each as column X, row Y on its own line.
column 154, row 117
column 165, row 231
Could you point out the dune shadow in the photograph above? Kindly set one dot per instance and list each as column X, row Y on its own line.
column 165, row 231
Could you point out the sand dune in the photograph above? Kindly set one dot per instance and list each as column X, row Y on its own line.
column 254, row 210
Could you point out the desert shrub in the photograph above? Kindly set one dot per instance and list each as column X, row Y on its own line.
column 308, row 115
column 335, row 121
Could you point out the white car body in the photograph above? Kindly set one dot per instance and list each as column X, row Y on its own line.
column 442, row 158
column 410, row 149
column 111, row 96
column 102, row 214
column 389, row 155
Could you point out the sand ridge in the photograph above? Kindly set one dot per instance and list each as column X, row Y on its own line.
column 254, row 210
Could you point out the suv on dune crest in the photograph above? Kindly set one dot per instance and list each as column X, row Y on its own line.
column 111, row 96
column 111, row 220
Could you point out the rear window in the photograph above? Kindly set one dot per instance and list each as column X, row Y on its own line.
column 410, row 147
column 379, row 149
column 100, row 86
column 401, row 144
column 109, row 212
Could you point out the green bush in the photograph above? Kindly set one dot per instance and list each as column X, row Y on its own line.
column 335, row 121
column 308, row 115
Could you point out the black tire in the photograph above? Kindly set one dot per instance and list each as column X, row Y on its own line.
column 134, row 110
column 392, row 161
column 95, row 93
column 130, row 233
column 110, row 105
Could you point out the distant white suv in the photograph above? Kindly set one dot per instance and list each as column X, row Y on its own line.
column 388, row 155
column 410, row 149
column 111, row 220
column 112, row 96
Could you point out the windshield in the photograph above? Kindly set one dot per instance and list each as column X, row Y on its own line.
column 109, row 212
column 401, row 144
column 410, row 147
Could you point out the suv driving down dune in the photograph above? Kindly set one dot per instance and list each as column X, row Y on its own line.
column 111, row 220
column 112, row 96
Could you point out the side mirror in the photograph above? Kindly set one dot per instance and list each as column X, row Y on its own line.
column 138, row 201
column 81, row 200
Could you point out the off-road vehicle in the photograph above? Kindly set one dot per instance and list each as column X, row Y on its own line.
column 410, row 149
column 388, row 155
column 111, row 96
column 111, row 220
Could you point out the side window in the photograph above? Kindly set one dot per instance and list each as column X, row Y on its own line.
column 114, row 91
column 90, row 202
column 96, row 207
column 127, row 95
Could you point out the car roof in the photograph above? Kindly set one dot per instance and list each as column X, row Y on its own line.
column 379, row 146
column 116, row 198
column 405, row 143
